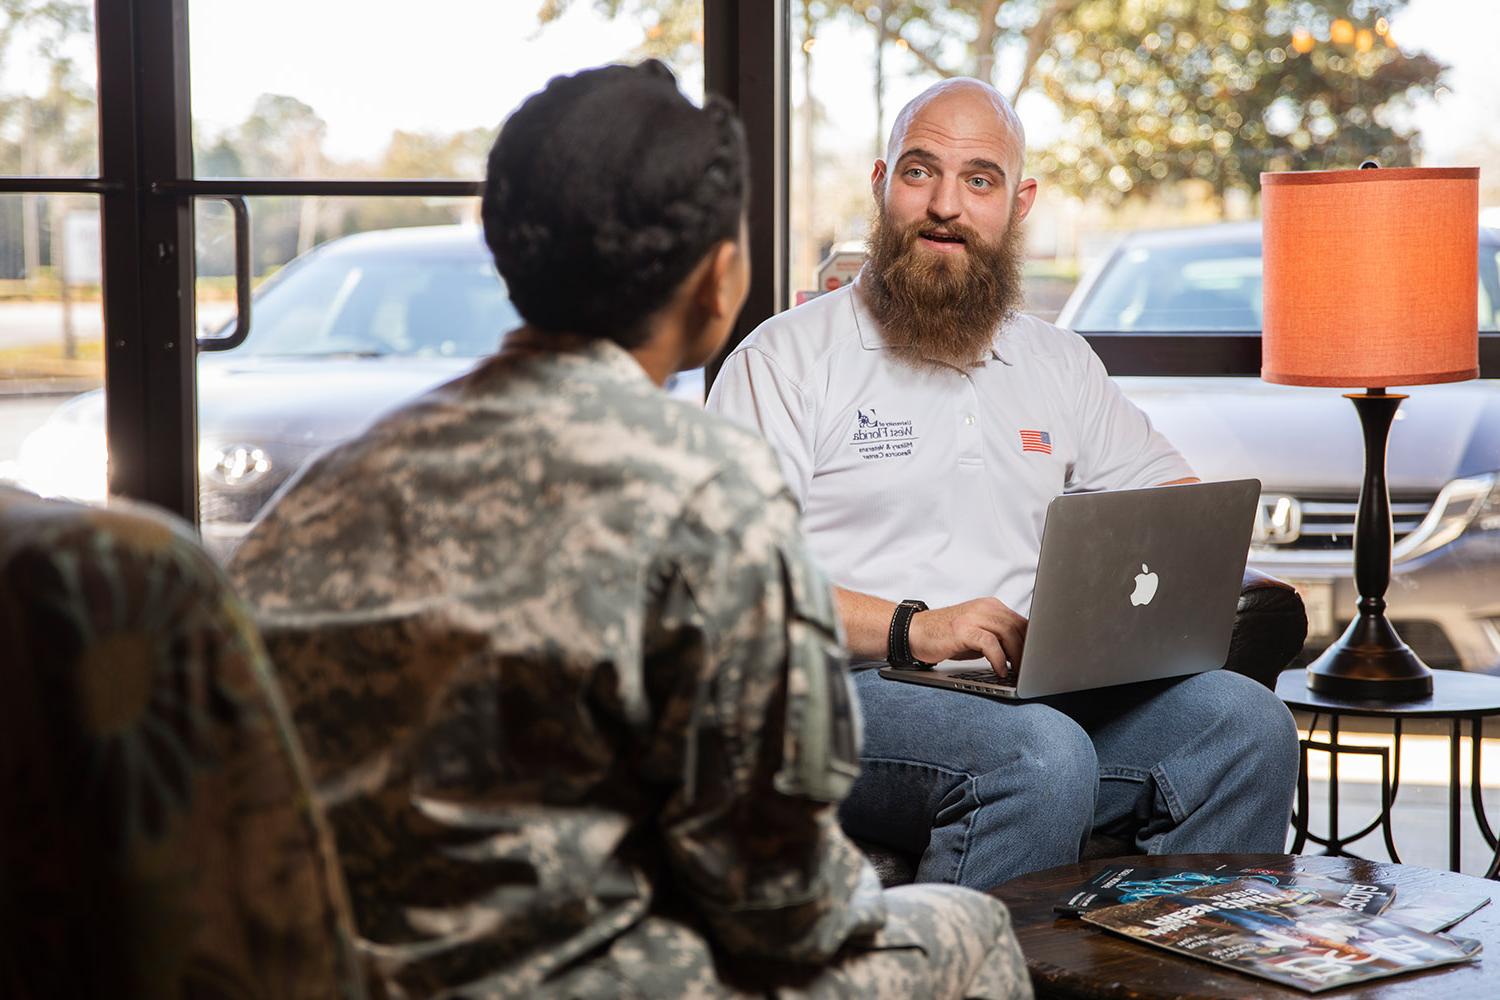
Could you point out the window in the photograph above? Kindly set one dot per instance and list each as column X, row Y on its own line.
column 1139, row 118
column 351, row 172
column 1148, row 125
column 51, row 320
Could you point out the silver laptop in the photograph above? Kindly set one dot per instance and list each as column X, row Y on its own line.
column 1131, row 585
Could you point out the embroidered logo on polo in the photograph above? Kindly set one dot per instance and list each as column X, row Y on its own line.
column 876, row 437
column 1039, row 441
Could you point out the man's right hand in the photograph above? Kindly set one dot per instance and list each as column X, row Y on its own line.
column 980, row 628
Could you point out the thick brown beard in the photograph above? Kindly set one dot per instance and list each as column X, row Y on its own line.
column 936, row 309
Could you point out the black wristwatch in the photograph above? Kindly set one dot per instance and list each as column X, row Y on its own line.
column 898, row 643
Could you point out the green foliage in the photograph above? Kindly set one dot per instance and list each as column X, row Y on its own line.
column 1157, row 92
column 51, row 132
column 671, row 30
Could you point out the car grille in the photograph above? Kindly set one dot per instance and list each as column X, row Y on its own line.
column 1328, row 522
column 1427, row 639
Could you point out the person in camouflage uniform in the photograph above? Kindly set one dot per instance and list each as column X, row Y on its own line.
column 573, row 694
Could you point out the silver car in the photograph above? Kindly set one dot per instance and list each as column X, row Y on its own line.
column 343, row 333
column 1304, row 445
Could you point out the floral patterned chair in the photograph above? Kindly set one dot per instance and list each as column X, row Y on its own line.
column 159, row 839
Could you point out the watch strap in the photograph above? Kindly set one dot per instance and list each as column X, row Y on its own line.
column 898, row 641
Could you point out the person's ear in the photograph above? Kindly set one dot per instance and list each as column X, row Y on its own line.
column 1025, row 198
column 877, row 182
column 716, row 292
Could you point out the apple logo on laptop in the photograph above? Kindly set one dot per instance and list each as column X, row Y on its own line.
column 1145, row 587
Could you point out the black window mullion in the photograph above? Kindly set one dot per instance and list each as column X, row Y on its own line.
column 121, row 262
column 745, row 61
column 164, row 135
column 253, row 187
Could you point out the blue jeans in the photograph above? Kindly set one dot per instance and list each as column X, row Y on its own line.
column 986, row 790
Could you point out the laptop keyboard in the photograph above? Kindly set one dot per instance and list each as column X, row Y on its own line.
column 984, row 676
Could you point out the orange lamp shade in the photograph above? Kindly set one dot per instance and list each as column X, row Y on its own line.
column 1371, row 276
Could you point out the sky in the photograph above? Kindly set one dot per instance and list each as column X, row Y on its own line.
column 370, row 66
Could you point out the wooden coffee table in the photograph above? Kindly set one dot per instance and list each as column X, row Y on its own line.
column 1068, row 958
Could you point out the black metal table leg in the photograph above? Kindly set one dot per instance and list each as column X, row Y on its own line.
column 1456, row 695
column 1335, row 845
column 1455, row 731
column 1300, row 817
column 1476, row 790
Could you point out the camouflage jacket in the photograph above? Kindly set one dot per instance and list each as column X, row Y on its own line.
column 559, row 661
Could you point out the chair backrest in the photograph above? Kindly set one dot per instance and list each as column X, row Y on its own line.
column 159, row 835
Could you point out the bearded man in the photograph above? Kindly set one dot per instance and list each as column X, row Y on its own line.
column 897, row 407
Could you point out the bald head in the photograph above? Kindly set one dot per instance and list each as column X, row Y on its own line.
column 962, row 106
column 952, row 172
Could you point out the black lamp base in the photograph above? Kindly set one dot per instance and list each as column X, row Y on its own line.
column 1369, row 662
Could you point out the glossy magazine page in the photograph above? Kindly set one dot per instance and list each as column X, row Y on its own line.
column 1114, row 884
column 1289, row 936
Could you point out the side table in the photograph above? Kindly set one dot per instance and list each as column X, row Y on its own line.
column 1069, row 958
column 1456, row 697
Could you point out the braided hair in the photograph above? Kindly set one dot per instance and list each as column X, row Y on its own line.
column 604, row 190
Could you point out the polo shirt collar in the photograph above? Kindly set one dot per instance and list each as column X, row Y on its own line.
column 869, row 330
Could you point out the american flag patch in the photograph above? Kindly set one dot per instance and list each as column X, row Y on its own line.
column 1036, row 441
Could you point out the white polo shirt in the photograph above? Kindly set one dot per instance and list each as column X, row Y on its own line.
column 934, row 485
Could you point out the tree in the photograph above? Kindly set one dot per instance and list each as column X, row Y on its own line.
column 49, row 132
column 283, row 137
column 671, row 30
column 422, row 154
column 1156, row 92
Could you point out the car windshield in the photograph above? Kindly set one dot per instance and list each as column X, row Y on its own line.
column 1178, row 288
column 378, row 305
column 1211, row 287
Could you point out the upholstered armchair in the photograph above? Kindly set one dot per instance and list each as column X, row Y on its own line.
column 159, row 839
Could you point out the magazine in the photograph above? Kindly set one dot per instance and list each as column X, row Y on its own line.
column 1434, row 909
column 1289, row 936
column 1114, row 884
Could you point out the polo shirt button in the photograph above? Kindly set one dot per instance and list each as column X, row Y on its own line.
column 970, row 418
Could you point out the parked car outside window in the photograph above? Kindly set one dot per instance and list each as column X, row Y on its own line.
column 1304, row 445
column 338, row 336
column 362, row 324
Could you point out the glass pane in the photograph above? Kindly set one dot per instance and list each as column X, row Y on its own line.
column 1141, row 117
column 51, row 337
column 417, row 96
column 1148, row 125
column 391, row 297
column 49, row 83
column 363, row 303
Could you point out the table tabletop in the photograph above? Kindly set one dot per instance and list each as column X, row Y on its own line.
column 1456, row 694
column 1068, row 958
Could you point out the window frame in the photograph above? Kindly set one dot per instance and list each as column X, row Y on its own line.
column 146, row 192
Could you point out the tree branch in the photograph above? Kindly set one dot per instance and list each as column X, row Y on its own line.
column 1037, row 39
column 984, row 41
column 923, row 56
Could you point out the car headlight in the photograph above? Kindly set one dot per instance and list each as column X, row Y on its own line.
column 1473, row 501
column 237, row 466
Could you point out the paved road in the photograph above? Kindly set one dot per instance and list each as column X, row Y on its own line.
column 23, row 323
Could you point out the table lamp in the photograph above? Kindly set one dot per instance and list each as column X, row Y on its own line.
column 1371, row 280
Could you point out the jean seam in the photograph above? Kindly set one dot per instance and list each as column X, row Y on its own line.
column 905, row 762
column 1168, row 794
column 963, row 857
